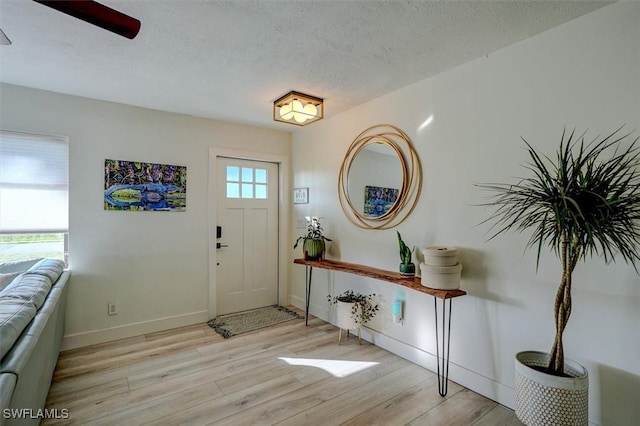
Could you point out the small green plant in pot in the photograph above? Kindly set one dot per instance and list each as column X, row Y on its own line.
column 407, row 267
column 353, row 310
column 584, row 202
column 313, row 244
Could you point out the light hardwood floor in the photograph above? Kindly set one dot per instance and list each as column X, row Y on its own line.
column 287, row 374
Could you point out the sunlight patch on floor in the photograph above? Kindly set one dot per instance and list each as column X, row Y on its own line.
column 335, row 367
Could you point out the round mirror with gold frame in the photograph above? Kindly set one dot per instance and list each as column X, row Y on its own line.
column 380, row 179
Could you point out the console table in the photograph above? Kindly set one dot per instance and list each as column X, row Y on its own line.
column 443, row 331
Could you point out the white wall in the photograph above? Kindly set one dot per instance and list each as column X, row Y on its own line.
column 155, row 264
column 583, row 74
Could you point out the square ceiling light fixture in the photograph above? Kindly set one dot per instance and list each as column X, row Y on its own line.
column 298, row 108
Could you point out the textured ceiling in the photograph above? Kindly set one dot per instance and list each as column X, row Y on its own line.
column 229, row 60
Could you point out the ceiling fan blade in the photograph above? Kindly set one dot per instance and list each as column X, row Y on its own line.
column 97, row 14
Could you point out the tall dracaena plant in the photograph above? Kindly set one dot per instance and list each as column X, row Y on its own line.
column 586, row 201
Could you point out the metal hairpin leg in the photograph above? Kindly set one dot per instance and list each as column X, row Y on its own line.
column 444, row 344
column 307, row 293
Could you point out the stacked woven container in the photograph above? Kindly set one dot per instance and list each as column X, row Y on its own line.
column 441, row 268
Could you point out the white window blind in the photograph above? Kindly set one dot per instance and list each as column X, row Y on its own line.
column 34, row 183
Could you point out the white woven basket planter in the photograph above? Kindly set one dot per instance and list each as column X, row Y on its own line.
column 440, row 256
column 544, row 399
column 441, row 277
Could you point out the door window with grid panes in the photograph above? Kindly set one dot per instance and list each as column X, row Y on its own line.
column 246, row 182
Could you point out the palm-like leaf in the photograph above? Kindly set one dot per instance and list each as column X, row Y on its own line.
column 584, row 202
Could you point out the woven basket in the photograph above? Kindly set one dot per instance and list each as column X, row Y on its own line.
column 544, row 399
column 441, row 277
column 440, row 256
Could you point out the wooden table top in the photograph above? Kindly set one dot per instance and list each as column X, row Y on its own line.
column 381, row 274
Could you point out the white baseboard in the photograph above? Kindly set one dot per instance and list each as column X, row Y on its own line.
column 478, row 383
column 297, row 302
column 72, row 341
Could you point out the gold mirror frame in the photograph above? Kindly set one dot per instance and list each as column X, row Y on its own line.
column 400, row 143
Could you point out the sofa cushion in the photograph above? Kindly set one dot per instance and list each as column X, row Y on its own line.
column 5, row 279
column 22, row 298
column 15, row 315
column 50, row 268
column 18, row 265
column 32, row 288
column 35, row 283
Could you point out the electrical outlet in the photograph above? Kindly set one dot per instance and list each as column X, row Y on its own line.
column 112, row 308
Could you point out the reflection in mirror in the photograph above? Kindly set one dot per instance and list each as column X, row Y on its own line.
column 380, row 179
column 375, row 180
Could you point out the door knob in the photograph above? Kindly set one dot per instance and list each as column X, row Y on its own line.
column 220, row 245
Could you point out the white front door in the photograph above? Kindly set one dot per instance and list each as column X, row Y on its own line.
column 247, row 211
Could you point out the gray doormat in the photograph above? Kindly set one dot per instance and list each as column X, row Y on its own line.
column 234, row 324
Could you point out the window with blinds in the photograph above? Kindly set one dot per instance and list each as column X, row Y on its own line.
column 34, row 196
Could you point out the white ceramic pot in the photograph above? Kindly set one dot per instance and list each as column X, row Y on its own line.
column 545, row 399
column 343, row 316
column 440, row 256
column 441, row 277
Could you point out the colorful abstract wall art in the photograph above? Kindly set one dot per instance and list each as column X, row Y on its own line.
column 378, row 201
column 132, row 185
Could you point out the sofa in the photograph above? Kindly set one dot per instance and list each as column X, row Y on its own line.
column 32, row 314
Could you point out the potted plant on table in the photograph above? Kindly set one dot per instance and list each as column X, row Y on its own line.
column 313, row 244
column 407, row 267
column 586, row 201
column 353, row 310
